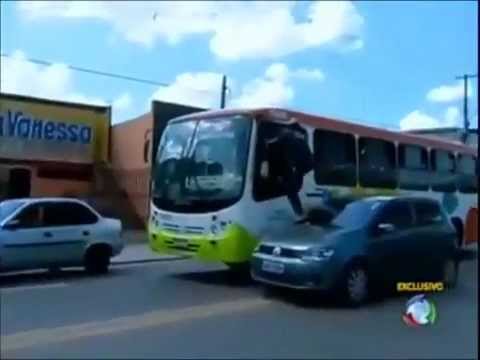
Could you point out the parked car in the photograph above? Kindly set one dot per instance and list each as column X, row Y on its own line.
column 56, row 232
column 372, row 242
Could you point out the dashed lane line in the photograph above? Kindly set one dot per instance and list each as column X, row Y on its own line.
column 43, row 336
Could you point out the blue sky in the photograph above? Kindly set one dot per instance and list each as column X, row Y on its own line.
column 390, row 64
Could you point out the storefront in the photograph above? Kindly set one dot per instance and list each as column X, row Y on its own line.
column 50, row 148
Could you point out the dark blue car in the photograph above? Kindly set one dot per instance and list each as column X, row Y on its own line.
column 372, row 241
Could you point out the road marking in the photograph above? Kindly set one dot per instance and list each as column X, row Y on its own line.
column 7, row 290
column 60, row 334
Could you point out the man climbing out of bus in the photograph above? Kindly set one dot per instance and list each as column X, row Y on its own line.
column 290, row 159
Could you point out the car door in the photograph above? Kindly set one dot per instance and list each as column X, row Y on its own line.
column 434, row 239
column 390, row 240
column 67, row 224
column 20, row 246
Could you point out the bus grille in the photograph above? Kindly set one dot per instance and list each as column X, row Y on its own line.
column 172, row 244
column 194, row 230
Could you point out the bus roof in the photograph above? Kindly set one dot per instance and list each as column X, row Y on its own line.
column 329, row 123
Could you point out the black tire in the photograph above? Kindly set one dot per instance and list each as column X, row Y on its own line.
column 97, row 260
column 458, row 225
column 450, row 271
column 239, row 272
column 355, row 285
column 239, row 268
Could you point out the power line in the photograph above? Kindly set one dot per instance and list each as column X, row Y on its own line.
column 97, row 72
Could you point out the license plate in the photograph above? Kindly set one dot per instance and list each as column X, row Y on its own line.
column 273, row 267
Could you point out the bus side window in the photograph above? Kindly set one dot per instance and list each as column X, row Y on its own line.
column 443, row 177
column 265, row 187
column 377, row 163
column 270, row 186
column 413, row 167
column 466, row 174
column 335, row 161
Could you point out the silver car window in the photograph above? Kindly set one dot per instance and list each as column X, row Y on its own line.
column 68, row 214
column 7, row 208
column 30, row 217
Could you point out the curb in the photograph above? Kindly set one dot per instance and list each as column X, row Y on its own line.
column 162, row 259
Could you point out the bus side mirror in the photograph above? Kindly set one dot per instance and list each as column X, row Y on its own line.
column 264, row 169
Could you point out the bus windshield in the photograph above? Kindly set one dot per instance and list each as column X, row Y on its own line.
column 201, row 164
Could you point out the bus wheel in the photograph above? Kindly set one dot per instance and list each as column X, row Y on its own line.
column 239, row 269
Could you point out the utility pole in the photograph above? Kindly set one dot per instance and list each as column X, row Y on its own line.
column 466, row 122
column 224, row 92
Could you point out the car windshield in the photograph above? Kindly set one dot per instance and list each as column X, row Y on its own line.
column 200, row 164
column 8, row 207
column 356, row 214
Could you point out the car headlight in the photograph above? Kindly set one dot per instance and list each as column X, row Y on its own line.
column 318, row 254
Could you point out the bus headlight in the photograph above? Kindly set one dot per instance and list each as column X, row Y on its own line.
column 223, row 225
column 214, row 229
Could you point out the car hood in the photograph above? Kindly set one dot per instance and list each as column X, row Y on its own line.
column 304, row 235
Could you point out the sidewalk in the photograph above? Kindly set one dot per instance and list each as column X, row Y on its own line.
column 135, row 236
column 140, row 253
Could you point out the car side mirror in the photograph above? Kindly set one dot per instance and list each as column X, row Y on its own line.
column 386, row 228
column 12, row 224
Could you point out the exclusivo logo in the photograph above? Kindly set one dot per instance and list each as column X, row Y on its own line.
column 419, row 311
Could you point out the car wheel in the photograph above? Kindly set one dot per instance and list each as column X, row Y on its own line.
column 355, row 285
column 458, row 225
column 97, row 260
column 450, row 270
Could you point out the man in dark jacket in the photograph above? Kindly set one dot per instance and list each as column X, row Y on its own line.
column 290, row 159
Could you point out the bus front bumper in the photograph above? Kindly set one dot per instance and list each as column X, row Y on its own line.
column 235, row 245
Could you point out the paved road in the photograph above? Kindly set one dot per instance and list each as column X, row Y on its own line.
column 180, row 309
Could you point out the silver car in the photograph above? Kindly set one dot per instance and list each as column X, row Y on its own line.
column 56, row 232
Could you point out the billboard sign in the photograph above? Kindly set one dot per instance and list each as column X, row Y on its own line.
column 34, row 129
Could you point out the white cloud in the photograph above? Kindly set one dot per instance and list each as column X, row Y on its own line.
column 419, row 120
column 195, row 89
column 452, row 116
column 307, row 74
column 448, row 93
column 271, row 89
column 56, row 82
column 236, row 29
column 203, row 89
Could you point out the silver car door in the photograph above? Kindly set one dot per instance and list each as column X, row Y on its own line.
column 20, row 243
column 64, row 237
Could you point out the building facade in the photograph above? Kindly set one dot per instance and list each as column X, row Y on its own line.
column 50, row 148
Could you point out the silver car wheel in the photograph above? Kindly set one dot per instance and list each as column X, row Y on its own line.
column 357, row 285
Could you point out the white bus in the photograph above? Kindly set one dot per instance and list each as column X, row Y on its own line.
column 218, row 186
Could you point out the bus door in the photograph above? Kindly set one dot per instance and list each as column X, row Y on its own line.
column 282, row 160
